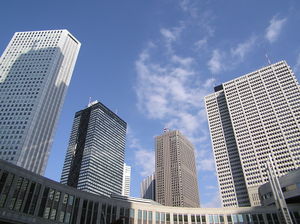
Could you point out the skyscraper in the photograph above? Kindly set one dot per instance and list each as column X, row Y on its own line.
column 35, row 72
column 126, row 180
column 250, row 118
column 95, row 155
column 175, row 171
column 148, row 187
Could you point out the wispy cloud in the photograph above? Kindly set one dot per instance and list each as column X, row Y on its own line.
column 215, row 201
column 144, row 158
column 205, row 160
column 216, row 62
column 296, row 68
column 244, row 48
column 171, row 91
column 211, row 187
column 201, row 43
column 170, row 85
column 220, row 59
column 184, row 4
column 189, row 6
column 274, row 28
column 171, row 35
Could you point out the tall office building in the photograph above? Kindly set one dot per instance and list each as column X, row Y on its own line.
column 250, row 118
column 95, row 155
column 126, row 180
column 35, row 72
column 175, row 171
column 148, row 187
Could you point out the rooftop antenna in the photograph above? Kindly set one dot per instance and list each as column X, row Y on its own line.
column 268, row 59
column 90, row 100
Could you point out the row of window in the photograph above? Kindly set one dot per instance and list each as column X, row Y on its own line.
column 34, row 199
column 291, row 187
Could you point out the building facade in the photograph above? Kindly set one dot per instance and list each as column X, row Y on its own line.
column 175, row 171
column 35, row 72
column 250, row 118
column 148, row 187
column 126, row 180
column 27, row 198
column 290, row 186
column 95, row 155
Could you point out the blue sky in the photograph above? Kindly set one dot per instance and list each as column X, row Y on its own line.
column 152, row 62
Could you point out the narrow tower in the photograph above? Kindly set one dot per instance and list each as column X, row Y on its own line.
column 126, row 180
column 175, row 171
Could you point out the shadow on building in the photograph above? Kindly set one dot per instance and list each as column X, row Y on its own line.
column 31, row 90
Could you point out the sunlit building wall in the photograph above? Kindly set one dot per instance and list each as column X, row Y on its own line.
column 35, row 72
column 126, row 180
column 251, row 118
column 148, row 187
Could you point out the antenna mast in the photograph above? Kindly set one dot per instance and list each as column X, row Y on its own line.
column 268, row 59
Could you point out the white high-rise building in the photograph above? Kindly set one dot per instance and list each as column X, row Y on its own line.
column 35, row 72
column 250, row 118
column 126, row 180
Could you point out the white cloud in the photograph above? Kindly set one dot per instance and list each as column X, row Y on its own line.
column 146, row 160
column 168, row 34
column 131, row 140
column 205, row 161
column 296, row 68
column 215, row 201
column 184, row 4
column 215, row 64
column 220, row 59
column 243, row 48
column 211, row 187
column 172, row 92
column 209, row 83
column 189, row 7
column 274, row 29
column 201, row 43
column 172, row 34
column 206, row 164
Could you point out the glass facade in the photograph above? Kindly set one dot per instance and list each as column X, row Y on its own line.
column 95, row 156
column 38, row 198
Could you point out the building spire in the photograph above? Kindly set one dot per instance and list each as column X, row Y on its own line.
column 268, row 59
column 90, row 100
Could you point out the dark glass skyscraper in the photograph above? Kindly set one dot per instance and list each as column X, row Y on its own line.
column 95, row 155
